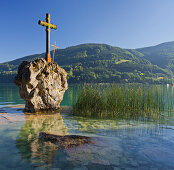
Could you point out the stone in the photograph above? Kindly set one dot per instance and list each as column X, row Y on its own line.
column 41, row 84
column 67, row 141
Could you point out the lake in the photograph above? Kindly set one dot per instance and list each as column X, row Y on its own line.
column 117, row 144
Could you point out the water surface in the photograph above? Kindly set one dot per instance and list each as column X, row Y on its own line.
column 123, row 144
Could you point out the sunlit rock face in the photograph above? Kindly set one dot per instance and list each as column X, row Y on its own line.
column 41, row 84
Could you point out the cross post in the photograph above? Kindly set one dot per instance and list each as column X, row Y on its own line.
column 48, row 25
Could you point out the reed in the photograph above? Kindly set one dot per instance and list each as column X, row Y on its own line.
column 123, row 102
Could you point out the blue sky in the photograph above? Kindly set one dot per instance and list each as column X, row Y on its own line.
column 123, row 23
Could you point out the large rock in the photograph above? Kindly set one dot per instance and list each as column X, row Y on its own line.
column 41, row 85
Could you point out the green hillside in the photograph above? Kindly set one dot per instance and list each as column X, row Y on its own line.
column 161, row 55
column 98, row 63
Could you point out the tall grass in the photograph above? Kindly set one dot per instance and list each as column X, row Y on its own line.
column 122, row 102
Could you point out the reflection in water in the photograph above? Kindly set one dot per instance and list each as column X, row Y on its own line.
column 30, row 147
column 117, row 144
column 113, row 127
column 9, row 94
column 122, row 144
column 71, row 94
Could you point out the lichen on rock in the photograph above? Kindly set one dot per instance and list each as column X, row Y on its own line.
column 41, row 84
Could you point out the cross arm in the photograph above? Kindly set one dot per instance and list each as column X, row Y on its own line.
column 43, row 23
column 54, row 46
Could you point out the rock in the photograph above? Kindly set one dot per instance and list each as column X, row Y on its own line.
column 67, row 141
column 41, row 84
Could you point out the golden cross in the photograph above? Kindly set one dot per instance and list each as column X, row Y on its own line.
column 48, row 26
column 54, row 49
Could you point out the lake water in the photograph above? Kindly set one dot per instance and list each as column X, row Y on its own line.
column 123, row 144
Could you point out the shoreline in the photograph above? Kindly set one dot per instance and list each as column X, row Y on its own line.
column 14, row 113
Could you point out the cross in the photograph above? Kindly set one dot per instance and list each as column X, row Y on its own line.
column 48, row 26
column 54, row 49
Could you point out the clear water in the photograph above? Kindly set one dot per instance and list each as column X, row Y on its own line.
column 117, row 144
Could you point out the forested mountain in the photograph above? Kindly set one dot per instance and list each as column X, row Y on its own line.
column 100, row 63
column 161, row 55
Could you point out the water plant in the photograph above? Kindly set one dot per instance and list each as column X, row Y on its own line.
column 123, row 102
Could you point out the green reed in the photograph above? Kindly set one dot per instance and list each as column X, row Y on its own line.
column 123, row 102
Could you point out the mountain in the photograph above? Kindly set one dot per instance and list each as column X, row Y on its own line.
column 161, row 55
column 99, row 63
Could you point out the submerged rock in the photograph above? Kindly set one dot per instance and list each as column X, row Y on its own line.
column 41, row 84
column 67, row 141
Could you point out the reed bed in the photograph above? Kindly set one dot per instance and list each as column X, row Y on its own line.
column 123, row 102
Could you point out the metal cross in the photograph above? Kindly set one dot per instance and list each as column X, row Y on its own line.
column 48, row 26
column 54, row 49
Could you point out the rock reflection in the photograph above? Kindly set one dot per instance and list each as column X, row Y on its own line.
column 30, row 147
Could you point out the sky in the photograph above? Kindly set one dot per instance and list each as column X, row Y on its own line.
column 121, row 23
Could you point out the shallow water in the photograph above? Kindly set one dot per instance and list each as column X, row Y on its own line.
column 123, row 144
